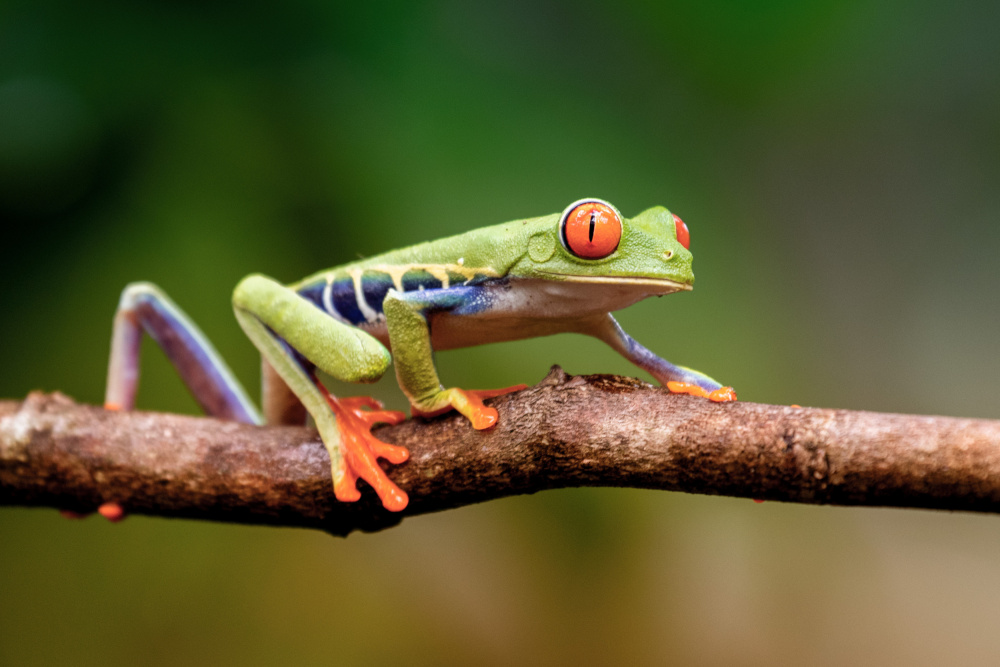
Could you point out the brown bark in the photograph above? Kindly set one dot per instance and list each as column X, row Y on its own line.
column 566, row 431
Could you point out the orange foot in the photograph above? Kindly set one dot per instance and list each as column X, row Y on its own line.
column 359, row 450
column 720, row 395
column 113, row 512
column 470, row 403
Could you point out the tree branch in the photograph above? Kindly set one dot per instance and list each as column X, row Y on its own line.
column 567, row 431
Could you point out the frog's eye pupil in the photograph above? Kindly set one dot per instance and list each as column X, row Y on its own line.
column 591, row 229
column 681, row 230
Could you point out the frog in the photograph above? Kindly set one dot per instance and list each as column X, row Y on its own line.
column 560, row 273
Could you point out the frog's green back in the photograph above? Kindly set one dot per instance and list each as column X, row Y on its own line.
column 487, row 251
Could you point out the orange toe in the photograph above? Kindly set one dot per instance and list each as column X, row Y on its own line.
column 372, row 417
column 484, row 417
column 346, row 488
column 113, row 512
column 391, row 453
column 394, row 499
column 720, row 395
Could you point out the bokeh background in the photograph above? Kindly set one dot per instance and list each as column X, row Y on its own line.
column 838, row 163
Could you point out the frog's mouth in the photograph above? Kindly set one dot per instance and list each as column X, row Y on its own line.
column 659, row 285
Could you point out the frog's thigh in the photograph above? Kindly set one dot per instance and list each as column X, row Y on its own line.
column 344, row 352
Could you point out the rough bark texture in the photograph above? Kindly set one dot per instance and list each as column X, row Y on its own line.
column 566, row 431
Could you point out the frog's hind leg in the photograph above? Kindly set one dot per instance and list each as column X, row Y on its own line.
column 145, row 308
column 295, row 337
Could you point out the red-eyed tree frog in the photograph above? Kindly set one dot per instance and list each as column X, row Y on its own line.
column 533, row 277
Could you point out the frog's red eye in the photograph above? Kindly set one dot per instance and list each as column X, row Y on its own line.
column 591, row 228
column 683, row 235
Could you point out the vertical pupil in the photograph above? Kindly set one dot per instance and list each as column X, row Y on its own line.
column 590, row 230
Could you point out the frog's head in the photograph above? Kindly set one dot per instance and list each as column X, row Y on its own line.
column 592, row 243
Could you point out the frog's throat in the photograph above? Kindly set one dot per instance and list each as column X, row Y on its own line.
column 662, row 285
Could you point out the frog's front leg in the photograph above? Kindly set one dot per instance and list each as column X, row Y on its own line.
column 410, row 337
column 677, row 379
column 283, row 325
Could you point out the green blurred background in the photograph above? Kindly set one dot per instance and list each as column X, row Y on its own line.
column 837, row 162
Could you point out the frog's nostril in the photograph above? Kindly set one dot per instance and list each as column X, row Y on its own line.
column 668, row 254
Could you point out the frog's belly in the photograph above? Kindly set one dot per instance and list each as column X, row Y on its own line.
column 451, row 332
column 525, row 309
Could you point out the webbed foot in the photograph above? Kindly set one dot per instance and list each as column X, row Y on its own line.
column 359, row 450
column 468, row 402
column 720, row 395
